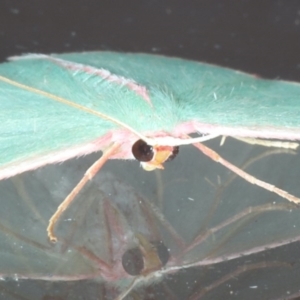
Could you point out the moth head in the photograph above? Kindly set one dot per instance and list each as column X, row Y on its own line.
column 153, row 157
column 149, row 256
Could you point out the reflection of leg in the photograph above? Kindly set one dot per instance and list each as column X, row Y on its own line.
column 272, row 188
column 89, row 174
column 241, row 218
column 236, row 273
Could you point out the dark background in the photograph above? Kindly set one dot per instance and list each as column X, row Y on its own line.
column 256, row 36
column 260, row 37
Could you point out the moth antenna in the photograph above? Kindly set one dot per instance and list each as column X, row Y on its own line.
column 269, row 143
column 172, row 141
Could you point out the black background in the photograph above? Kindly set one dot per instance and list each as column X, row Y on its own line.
column 260, row 37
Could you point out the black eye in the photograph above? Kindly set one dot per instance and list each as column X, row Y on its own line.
column 133, row 262
column 162, row 252
column 142, row 151
column 174, row 153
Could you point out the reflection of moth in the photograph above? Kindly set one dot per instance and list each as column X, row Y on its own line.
column 111, row 225
column 55, row 107
column 129, row 229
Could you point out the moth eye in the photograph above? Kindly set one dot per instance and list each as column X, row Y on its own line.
column 162, row 252
column 174, row 153
column 142, row 151
column 132, row 261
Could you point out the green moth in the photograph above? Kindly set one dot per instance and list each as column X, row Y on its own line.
column 55, row 107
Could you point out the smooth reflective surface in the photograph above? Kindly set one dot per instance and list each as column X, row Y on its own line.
column 225, row 237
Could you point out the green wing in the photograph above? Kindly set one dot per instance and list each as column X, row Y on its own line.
column 203, row 92
column 34, row 127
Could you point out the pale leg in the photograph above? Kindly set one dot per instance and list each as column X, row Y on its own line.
column 272, row 188
column 89, row 174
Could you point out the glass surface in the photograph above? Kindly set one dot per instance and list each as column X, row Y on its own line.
column 222, row 233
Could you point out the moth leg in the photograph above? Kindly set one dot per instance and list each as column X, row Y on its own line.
column 272, row 188
column 89, row 174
